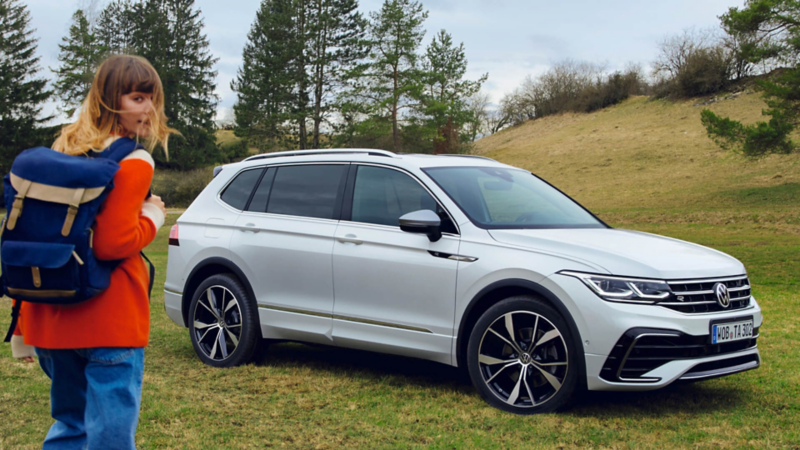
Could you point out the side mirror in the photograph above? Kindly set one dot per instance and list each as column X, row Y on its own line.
column 423, row 221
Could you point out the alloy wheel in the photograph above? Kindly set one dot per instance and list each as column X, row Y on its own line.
column 217, row 323
column 523, row 359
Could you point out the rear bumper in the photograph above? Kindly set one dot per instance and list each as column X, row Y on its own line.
column 173, row 306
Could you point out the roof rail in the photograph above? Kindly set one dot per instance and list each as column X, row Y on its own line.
column 322, row 152
column 466, row 156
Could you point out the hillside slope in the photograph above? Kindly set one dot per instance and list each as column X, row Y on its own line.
column 648, row 161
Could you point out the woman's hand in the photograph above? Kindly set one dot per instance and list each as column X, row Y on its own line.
column 156, row 200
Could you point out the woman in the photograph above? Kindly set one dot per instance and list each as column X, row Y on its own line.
column 94, row 351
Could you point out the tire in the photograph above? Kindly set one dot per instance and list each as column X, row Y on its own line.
column 536, row 371
column 223, row 323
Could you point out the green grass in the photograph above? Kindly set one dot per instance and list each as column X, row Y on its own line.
column 314, row 397
column 657, row 179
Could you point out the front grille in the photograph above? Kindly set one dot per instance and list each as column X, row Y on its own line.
column 641, row 350
column 697, row 296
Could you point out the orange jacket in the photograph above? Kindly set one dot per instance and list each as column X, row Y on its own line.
column 120, row 316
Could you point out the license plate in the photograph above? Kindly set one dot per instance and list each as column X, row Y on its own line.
column 731, row 331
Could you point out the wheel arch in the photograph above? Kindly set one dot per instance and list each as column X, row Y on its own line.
column 206, row 268
column 499, row 290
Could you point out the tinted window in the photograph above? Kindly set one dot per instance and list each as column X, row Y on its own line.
column 381, row 196
column 238, row 192
column 308, row 190
column 260, row 197
column 508, row 198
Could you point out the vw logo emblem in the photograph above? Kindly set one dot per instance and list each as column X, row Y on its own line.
column 723, row 296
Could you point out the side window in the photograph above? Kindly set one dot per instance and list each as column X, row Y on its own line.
column 260, row 197
column 307, row 190
column 238, row 191
column 381, row 196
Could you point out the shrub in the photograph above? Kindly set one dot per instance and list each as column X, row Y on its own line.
column 178, row 188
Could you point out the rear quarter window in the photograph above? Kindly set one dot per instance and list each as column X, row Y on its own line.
column 237, row 193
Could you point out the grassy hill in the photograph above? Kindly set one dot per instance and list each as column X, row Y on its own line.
column 651, row 161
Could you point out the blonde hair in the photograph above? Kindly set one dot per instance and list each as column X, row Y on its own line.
column 118, row 75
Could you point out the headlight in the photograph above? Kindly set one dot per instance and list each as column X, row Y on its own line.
column 626, row 290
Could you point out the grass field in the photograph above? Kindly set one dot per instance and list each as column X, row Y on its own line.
column 314, row 397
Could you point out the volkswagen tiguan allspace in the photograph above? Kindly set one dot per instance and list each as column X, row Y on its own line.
column 456, row 259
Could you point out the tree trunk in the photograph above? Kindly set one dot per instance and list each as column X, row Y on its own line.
column 395, row 134
column 302, row 102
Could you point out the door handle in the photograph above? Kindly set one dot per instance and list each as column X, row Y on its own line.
column 350, row 239
column 251, row 227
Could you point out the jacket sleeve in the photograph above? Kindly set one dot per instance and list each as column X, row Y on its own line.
column 125, row 225
column 20, row 349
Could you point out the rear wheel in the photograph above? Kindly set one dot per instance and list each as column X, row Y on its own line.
column 521, row 357
column 224, row 325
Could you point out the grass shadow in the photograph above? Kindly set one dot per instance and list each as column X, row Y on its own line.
column 397, row 370
column 678, row 398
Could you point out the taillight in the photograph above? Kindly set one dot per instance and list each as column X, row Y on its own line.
column 173, row 235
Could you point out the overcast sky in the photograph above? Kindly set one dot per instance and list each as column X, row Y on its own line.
column 509, row 39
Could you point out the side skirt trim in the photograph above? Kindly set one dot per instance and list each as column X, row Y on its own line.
column 345, row 318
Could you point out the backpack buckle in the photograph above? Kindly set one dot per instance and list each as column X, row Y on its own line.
column 16, row 211
column 16, row 208
column 72, row 211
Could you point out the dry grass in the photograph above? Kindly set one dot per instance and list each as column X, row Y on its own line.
column 646, row 156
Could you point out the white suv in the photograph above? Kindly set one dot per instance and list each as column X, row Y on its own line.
column 455, row 259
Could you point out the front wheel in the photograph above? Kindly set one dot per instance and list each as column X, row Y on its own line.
column 521, row 357
column 224, row 325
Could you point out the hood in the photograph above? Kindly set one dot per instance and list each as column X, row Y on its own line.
column 627, row 253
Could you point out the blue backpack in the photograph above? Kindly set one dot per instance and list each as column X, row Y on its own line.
column 51, row 200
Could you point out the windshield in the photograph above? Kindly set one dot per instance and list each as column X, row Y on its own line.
column 508, row 198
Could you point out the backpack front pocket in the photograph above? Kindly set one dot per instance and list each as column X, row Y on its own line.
column 40, row 272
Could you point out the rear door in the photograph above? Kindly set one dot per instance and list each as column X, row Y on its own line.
column 284, row 241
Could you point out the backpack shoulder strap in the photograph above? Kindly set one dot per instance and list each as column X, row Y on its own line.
column 15, row 316
column 119, row 149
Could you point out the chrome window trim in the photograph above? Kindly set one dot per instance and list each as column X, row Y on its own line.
column 383, row 227
column 416, row 178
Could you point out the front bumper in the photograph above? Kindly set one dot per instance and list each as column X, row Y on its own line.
column 666, row 345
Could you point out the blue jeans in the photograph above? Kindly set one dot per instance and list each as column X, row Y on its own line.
column 94, row 397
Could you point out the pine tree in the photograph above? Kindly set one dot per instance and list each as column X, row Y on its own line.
column 80, row 53
column 391, row 80
column 336, row 44
column 446, row 96
column 266, row 82
column 168, row 33
column 767, row 30
column 22, row 93
column 114, row 27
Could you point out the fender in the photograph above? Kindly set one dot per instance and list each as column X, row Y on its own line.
column 539, row 290
column 218, row 261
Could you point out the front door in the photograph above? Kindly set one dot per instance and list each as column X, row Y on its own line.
column 394, row 291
